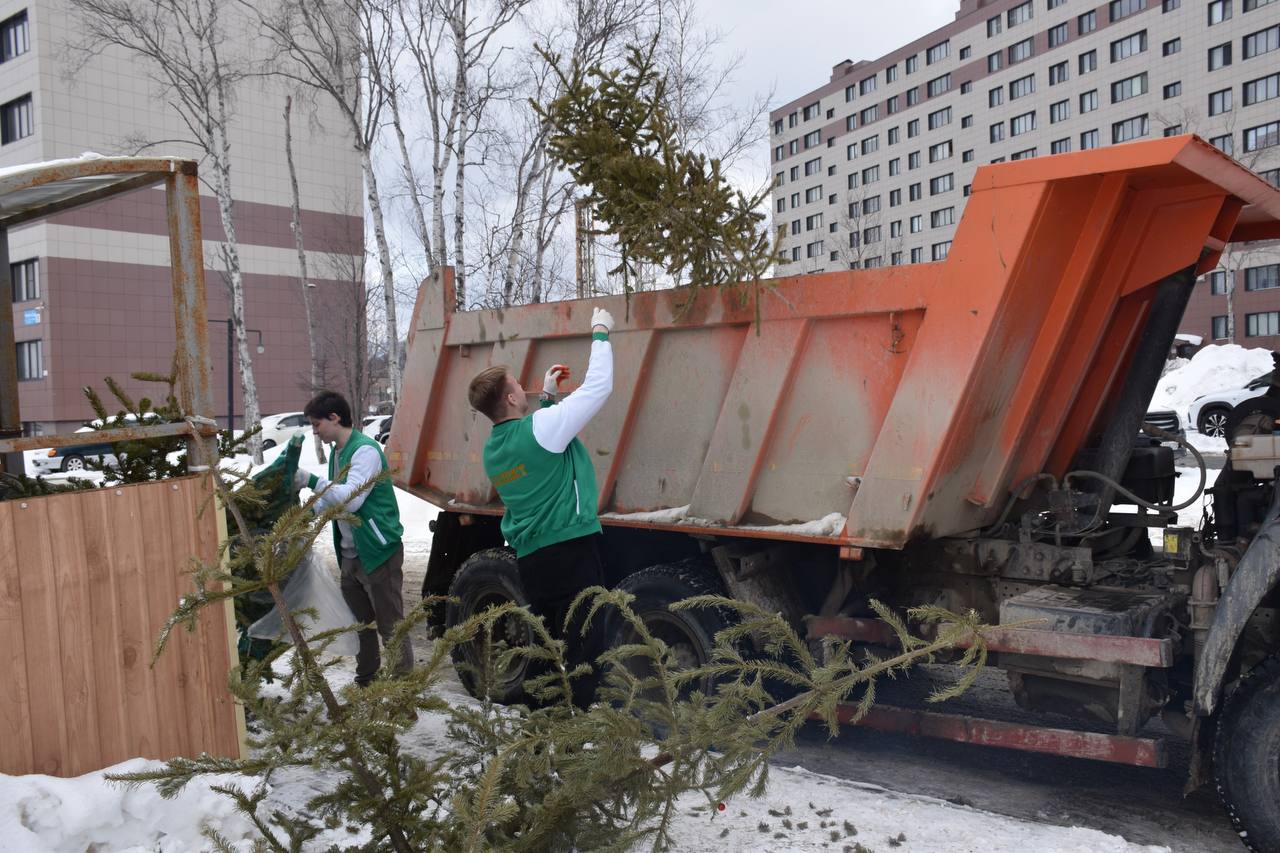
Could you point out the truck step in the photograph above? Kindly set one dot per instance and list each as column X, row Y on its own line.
column 1118, row 749
column 1137, row 651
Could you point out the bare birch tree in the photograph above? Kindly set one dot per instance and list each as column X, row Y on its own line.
column 340, row 49
column 185, row 47
column 304, row 283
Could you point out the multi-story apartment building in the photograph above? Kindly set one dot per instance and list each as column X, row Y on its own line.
column 91, row 287
column 873, row 168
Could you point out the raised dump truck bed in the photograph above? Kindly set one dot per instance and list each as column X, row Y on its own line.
column 868, row 407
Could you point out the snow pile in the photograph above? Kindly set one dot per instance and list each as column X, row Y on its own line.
column 43, row 813
column 1216, row 368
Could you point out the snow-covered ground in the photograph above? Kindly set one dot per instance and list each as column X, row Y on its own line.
column 801, row 811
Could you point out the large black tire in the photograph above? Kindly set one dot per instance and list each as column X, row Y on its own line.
column 74, row 462
column 690, row 633
column 1212, row 421
column 1246, row 757
column 268, row 444
column 487, row 579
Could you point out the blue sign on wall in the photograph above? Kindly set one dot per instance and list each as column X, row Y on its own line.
column 31, row 317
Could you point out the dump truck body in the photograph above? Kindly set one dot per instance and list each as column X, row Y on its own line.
column 957, row 434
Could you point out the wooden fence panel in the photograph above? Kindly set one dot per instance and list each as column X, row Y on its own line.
column 85, row 586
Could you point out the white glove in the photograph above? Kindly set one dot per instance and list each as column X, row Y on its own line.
column 601, row 317
column 551, row 382
column 300, row 479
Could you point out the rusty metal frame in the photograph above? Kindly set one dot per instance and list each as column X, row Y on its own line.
column 1134, row 651
column 1118, row 749
column 44, row 189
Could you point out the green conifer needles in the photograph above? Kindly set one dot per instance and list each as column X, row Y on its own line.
column 665, row 205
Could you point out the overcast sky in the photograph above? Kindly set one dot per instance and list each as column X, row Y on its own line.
column 791, row 45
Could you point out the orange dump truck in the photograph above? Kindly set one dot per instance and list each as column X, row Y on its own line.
column 956, row 433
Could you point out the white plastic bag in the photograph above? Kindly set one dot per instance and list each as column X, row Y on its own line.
column 311, row 586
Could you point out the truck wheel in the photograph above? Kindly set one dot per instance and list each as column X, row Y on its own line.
column 690, row 634
column 487, row 579
column 73, row 462
column 1213, row 421
column 1246, row 756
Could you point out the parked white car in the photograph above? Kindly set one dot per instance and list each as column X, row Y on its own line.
column 1209, row 412
column 374, row 425
column 278, row 429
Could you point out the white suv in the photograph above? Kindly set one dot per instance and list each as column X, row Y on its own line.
column 278, row 429
column 1208, row 414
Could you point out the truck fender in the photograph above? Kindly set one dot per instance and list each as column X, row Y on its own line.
column 1254, row 577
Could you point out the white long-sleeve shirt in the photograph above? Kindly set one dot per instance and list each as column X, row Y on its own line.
column 555, row 426
column 365, row 465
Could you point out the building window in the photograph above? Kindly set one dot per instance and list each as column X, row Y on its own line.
column 913, row 96
column 1022, row 87
column 1262, row 89
column 891, row 105
column 891, row 73
column 1220, row 327
column 1058, row 35
column 30, row 361
column 850, row 92
column 1057, row 73
column 811, row 111
column 867, row 85
column 1172, row 130
column 1129, row 87
column 916, row 224
column 913, row 160
column 851, row 121
column 1170, row 5
column 995, row 97
column 1019, row 14
column 869, row 114
column 941, row 250
column 912, row 63
column 1250, row 5
column 937, row 53
column 938, row 85
column 26, row 281
column 996, row 132
column 895, row 198
column 917, row 255
column 1086, row 23
column 1220, row 102
column 966, row 121
column 895, row 258
column 993, row 26
column 1021, row 124
column 913, row 128
column 16, row 120
column 995, row 61
column 813, row 167
column 1218, row 283
column 1053, row 4
column 812, row 139
column 813, row 194
column 780, row 206
column 871, row 235
column 13, row 37
column 1262, row 323
column 813, row 223
column 1021, row 51
column 966, row 52
column 1219, row 11
column 1023, row 155
column 1262, row 278
column 941, row 151
column 1173, row 90
column 942, row 184
column 793, row 147
column 795, row 173
column 1171, row 47
column 1263, row 41
column 1220, row 56
column 894, row 135
column 1262, row 136
column 940, row 118
column 1224, row 143
column 1060, row 111
column 1060, row 146
column 870, row 175
column 1088, row 61
column 1129, row 129
column 914, row 192
column 966, row 156
column 1088, row 101
column 1124, row 8
column 870, row 144
column 942, row 218
column 1088, row 139
column 1128, row 46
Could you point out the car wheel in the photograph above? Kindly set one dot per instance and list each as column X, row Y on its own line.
column 1246, row 756
column 487, row 579
column 268, row 444
column 73, row 463
column 1213, row 421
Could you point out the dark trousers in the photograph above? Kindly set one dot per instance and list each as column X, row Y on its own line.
column 552, row 577
column 376, row 597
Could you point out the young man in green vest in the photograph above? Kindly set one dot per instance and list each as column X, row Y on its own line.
column 370, row 554
column 545, row 478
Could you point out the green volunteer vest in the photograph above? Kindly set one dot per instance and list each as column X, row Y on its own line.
column 379, row 531
column 549, row 497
